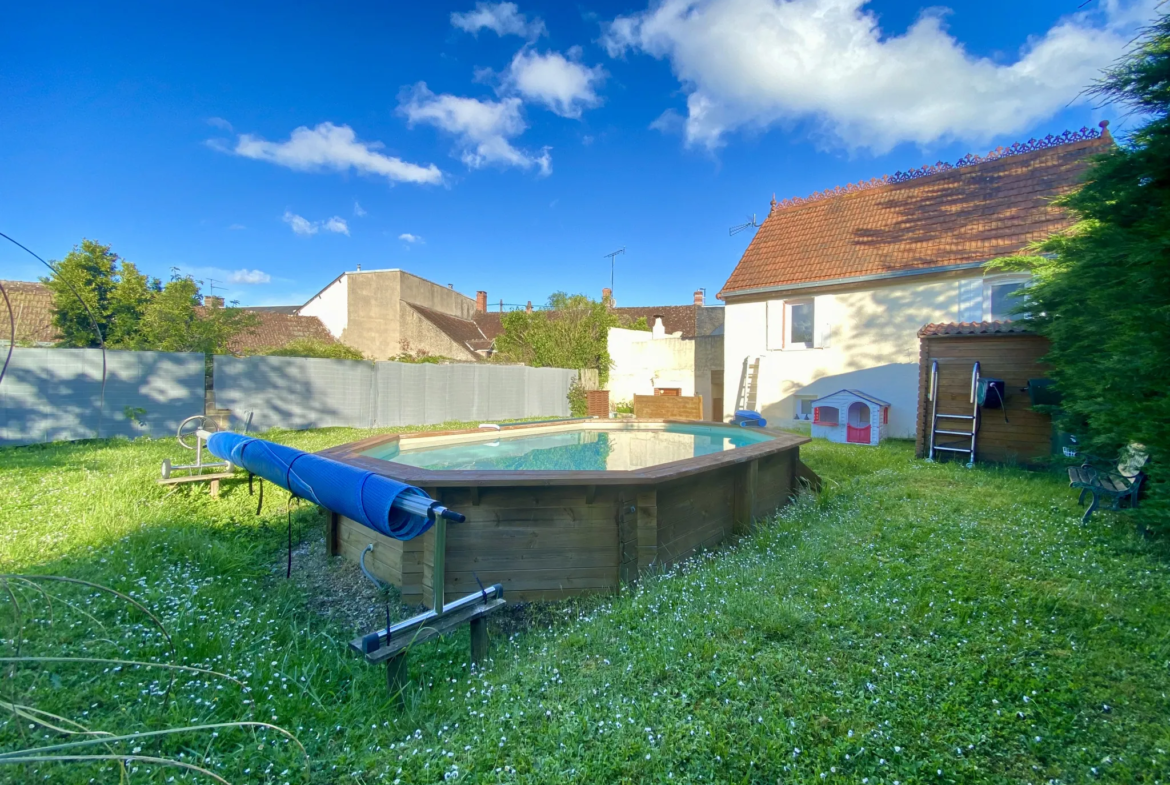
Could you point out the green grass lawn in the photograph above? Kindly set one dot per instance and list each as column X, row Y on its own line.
column 915, row 623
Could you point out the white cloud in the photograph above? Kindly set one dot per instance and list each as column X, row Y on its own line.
column 237, row 227
column 358, row 211
column 751, row 64
column 219, row 122
column 249, row 276
column 332, row 147
column 336, row 224
column 410, row 238
column 483, row 128
column 301, row 226
column 563, row 85
column 501, row 18
column 306, row 228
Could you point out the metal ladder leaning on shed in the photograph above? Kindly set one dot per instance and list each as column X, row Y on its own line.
column 936, row 415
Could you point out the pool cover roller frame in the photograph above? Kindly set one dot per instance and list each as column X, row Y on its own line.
column 387, row 506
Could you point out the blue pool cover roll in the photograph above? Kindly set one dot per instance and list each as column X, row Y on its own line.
column 357, row 494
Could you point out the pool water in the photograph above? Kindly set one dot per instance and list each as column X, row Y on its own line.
column 577, row 450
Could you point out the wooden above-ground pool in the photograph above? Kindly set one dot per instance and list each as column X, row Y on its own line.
column 559, row 509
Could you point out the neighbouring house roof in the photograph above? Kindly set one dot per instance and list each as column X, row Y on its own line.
column 855, row 394
column 675, row 318
column 933, row 218
column 465, row 332
column 975, row 328
column 291, row 310
column 491, row 324
column 32, row 305
column 32, row 308
column 275, row 330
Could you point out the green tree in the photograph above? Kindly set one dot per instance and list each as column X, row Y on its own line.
column 1101, row 291
column 573, row 333
column 132, row 310
column 175, row 321
column 113, row 290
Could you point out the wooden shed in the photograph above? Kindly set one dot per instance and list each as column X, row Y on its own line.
column 1006, row 351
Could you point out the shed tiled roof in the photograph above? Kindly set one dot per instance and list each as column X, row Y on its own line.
column 465, row 332
column 32, row 307
column 975, row 328
column 935, row 217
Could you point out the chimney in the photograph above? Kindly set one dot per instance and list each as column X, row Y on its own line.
column 359, row 269
column 657, row 328
column 481, row 302
column 607, row 296
column 528, row 308
column 212, row 301
column 698, row 297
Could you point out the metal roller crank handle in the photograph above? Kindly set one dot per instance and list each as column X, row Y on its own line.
column 425, row 507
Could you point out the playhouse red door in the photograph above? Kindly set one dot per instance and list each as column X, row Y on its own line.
column 857, row 426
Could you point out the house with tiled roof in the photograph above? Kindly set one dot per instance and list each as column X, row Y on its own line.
column 32, row 308
column 387, row 313
column 833, row 289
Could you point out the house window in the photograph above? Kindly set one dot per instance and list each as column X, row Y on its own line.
column 1001, row 296
column 804, row 407
column 798, row 324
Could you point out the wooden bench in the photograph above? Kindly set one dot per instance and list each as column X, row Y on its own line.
column 1122, row 484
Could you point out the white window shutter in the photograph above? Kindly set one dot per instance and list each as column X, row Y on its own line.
column 971, row 300
column 824, row 310
column 775, row 325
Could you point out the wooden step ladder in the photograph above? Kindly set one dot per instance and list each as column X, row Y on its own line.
column 968, row 437
column 748, row 383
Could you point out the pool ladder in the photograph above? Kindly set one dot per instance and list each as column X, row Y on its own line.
column 935, row 416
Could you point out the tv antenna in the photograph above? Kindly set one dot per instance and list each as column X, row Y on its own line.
column 751, row 224
column 211, row 282
column 612, row 256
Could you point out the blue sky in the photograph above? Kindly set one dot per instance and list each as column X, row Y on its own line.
column 501, row 146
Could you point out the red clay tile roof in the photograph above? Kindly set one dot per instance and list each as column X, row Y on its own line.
column 32, row 307
column 275, row 329
column 939, row 216
column 975, row 328
column 462, row 331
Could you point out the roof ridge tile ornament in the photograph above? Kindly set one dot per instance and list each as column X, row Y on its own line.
column 1032, row 145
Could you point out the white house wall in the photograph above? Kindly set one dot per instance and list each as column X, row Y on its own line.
column 872, row 345
column 642, row 362
column 331, row 306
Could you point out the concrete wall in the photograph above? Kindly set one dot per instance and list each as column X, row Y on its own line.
column 872, row 333
column 643, row 362
column 419, row 333
column 708, row 357
column 435, row 296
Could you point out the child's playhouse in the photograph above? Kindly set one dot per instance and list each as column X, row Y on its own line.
column 850, row 417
